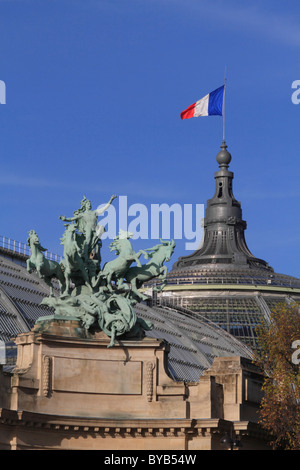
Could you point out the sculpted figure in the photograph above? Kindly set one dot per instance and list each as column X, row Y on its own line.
column 118, row 319
column 86, row 221
column 46, row 269
column 72, row 257
column 116, row 269
column 112, row 313
column 65, row 306
column 158, row 254
column 99, row 298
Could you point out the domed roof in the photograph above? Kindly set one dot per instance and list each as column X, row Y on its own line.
column 223, row 280
column 224, row 240
column 193, row 341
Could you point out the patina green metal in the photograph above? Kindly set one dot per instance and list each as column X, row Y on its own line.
column 46, row 269
column 158, row 254
column 100, row 298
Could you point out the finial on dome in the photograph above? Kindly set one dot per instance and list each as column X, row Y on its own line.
column 224, row 157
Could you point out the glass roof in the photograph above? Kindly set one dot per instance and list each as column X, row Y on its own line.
column 194, row 341
column 237, row 313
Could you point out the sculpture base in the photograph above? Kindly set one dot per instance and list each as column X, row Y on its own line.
column 61, row 372
column 61, row 325
column 69, row 392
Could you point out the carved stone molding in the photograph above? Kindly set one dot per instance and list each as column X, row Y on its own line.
column 47, row 374
column 150, row 366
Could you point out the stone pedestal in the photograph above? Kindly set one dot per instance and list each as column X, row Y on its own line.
column 70, row 391
column 64, row 371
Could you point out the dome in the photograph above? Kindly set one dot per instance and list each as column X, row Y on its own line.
column 222, row 280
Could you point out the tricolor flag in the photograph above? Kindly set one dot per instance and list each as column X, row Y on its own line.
column 210, row 105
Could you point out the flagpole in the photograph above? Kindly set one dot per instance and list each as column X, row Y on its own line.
column 224, row 105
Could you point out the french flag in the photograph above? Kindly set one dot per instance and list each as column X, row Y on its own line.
column 210, row 105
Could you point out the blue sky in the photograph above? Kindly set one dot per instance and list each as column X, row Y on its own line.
column 94, row 91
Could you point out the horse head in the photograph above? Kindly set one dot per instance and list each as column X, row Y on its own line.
column 168, row 246
column 33, row 238
column 68, row 233
column 123, row 234
column 70, row 229
column 118, row 241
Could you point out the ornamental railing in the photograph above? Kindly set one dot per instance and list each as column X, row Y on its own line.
column 23, row 249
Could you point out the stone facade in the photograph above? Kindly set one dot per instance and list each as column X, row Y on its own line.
column 69, row 391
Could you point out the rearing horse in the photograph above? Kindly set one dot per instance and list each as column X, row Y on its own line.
column 46, row 269
column 72, row 257
column 115, row 269
column 137, row 275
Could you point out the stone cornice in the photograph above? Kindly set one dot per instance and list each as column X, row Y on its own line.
column 118, row 427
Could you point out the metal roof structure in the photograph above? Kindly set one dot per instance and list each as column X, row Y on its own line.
column 21, row 294
column 222, row 280
column 193, row 341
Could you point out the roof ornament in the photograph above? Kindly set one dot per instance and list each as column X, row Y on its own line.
column 224, row 238
column 99, row 298
column 223, row 157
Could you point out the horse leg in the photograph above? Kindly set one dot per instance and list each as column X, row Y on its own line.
column 134, row 287
column 67, row 281
column 47, row 280
column 162, row 272
column 120, row 283
column 112, row 338
column 88, row 284
column 38, row 270
column 108, row 280
column 63, row 286
column 162, row 275
column 142, row 252
column 61, row 278
column 98, row 279
column 86, row 278
column 29, row 265
column 135, row 290
column 134, row 257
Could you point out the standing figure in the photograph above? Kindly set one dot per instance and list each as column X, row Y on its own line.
column 73, row 262
column 86, row 221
